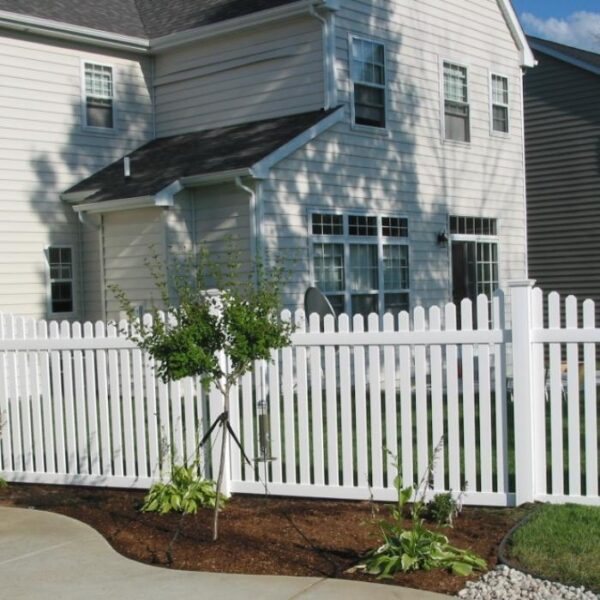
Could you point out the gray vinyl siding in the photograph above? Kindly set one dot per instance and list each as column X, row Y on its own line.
column 44, row 150
column 562, row 118
column 262, row 73
column 410, row 170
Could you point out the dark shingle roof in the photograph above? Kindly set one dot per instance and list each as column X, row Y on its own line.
column 140, row 18
column 164, row 160
column 591, row 58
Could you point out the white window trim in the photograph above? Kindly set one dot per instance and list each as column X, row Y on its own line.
column 493, row 131
column 458, row 63
column 65, row 315
column 371, row 129
column 89, row 128
column 346, row 239
column 472, row 237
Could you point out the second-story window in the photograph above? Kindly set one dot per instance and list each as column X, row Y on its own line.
column 99, row 96
column 368, row 80
column 499, row 104
column 456, row 103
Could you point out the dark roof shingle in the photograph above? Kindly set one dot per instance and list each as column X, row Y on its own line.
column 139, row 18
column 164, row 160
column 592, row 58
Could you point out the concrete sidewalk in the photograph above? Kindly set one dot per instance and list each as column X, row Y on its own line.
column 48, row 556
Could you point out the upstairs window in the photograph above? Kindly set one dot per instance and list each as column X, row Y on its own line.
column 499, row 104
column 99, row 96
column 456, row 103
column 60, row 262
column 368, row 80
column 361, row 262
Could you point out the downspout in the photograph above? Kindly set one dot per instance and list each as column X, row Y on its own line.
column 254, row 219
column 326, row 55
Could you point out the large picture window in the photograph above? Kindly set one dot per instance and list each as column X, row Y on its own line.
column 369, row 82
column 99, row 96
column 60, row 263
column 361, row 262
column 456, row 103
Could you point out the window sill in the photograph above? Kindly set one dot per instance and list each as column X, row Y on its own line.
column 378, row 132
column 105, row 131
column 456, row 143
column 500, row 134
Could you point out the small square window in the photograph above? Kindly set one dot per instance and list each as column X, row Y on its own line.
column 394, row 227
column 362, row 226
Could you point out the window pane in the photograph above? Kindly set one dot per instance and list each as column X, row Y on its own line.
column 394, row 227
column 395, row 303
column 62, row 297
column 362, row 226
column 329, row 267
column 337, row 303
column 499, row 89
column 395, row 267
column 472, row 226
column 369, row 105
column 457, row 122
column 455, row 83
column 364, row 304
column 98, row 81
column 99, row 113
column 363, row 267
column 324, row 224
column 500, row 117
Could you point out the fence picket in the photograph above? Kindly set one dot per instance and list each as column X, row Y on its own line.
column 141, row 460
column 485, row 410
column 453, row 414
column 468, row 393
column 116, row 432
column 69, row 402
column 47, row 402
column 437, row 403
column 302, row 404
column 346, row 427
column 57, row 402
column 274, row 403
column 375, row 407
column 331, row 378
column 14, row 416
column 248, row 424
column 391, row 420
column 360, row 399
column 421, row 404
column 537, row 357
column 151, row 409
column 501, row 405
column 91, row 391
column 106, row 466
column 316, row 396
column 591, row 406
column 37, row 425
column 406, row 404
column 24, row 398
column 5, row 438
column 556, row 416
column 79, row 405
column 574, row 434
column 289, row 418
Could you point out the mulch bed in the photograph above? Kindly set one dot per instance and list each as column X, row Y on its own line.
column 275, row 536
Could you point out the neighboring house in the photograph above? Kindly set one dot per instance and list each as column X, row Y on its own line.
column 378, row 143
column 562, row 134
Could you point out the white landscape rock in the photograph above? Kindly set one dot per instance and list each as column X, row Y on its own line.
column 504, row 583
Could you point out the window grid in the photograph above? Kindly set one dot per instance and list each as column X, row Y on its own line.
column 473, row 226
column 456, row 103
column 60, row 262
column 99, row 96
column 500, row 104
column 361, row 270
column 327, row 224
column 369, row 81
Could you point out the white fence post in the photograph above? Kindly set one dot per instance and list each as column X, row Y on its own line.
column 523, row 387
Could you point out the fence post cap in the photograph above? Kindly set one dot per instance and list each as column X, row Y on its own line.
column 521, row 283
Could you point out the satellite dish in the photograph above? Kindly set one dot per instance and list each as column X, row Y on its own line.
column 316, row 302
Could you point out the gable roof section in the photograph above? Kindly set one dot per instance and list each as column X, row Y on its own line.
column 590, row 61
column 204, row 156
column 139, row 18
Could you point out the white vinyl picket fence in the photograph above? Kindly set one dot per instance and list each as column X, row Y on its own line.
column 509, row 414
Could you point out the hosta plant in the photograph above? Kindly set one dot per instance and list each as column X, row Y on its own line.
column 185, row 493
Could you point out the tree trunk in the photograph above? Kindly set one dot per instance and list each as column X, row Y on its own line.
column 224, row 436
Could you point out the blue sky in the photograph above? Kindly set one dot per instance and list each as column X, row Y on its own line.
column 573, row 22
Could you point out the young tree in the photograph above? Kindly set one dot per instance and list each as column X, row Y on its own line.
column 240, row 322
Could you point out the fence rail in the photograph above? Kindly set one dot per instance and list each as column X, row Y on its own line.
column 510, row 415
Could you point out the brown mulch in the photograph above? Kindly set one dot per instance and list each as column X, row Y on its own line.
column 275, row 536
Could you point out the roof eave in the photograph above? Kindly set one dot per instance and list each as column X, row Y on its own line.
column 527, row 57
column 59, row 29
column 582, row 64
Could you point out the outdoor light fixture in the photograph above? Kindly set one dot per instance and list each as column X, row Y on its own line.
column 442, row 238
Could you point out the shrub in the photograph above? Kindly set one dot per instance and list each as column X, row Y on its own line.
column 186, row 492
column 443, row 509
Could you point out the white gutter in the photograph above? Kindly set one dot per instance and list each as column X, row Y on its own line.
column 76, row 33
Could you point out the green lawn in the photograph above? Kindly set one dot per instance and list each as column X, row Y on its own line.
column 561, row 542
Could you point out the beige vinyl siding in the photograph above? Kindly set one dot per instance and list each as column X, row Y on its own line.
column 44, row 150
column 409, row 170
column 265, row 72
column 130, row 237
column 91, row 287
column 562, row 116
